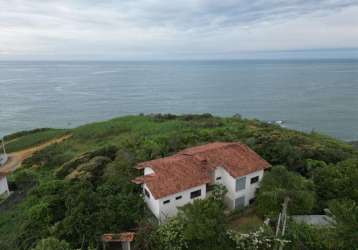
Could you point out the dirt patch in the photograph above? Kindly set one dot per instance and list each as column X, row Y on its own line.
column 16, row 158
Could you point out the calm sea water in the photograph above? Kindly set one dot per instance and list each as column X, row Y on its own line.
column 319, row 94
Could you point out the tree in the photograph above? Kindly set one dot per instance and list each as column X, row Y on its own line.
column 279, row 185
column 338, row 181
column 204, row 222
column 199, row 225
column 52, row 243
column 345, row 216
column 35, row 225
column 171, row 235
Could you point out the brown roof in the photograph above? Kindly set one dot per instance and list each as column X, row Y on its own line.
column 192, row 167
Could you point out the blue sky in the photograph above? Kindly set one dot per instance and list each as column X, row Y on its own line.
column 185, row 29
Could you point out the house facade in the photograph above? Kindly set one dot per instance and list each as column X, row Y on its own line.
column 174, row 181
column 4, row 188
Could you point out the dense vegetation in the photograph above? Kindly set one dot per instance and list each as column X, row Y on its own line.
column 70, row 193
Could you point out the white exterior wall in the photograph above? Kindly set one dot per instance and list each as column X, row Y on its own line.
column 230, row 183
column 3, row 186
column 170, row 209
column 250, row 189
column 151, row 202
column 148, row 170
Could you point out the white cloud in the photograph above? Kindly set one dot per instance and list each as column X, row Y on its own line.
column 130, row 29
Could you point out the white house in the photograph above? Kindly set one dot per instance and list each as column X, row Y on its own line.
column 171, row 182
column 4, row 188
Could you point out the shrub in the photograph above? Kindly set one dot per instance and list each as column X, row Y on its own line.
column 52, row 243
column 24, row 179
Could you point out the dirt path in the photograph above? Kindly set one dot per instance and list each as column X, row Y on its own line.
column 16, row 158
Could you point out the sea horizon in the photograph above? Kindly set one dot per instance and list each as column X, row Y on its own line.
column 307, row 94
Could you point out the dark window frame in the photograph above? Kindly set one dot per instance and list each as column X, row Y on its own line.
column 179, row 197
column 166, row 202
column 146, row 193
column 254, row 180
column 252, row 200
column 195, row 194
column 218, row 178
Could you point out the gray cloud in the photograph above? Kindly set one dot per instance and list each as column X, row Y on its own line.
column 148, row 28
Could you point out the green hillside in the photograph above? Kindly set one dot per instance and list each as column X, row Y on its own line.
column 80, row 188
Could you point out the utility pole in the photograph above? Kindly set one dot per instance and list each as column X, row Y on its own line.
column 282, row 222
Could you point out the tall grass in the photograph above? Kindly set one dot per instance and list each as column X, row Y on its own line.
column 34, row 139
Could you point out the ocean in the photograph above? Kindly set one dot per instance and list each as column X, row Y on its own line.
column 319, row 95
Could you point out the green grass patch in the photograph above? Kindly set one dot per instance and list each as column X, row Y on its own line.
column 34, row 139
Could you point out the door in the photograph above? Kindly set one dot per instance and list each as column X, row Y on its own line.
column 240, row 202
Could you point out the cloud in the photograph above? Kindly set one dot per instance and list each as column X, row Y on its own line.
column 130, row 29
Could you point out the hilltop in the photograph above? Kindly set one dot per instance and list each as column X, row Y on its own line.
column 77, row 189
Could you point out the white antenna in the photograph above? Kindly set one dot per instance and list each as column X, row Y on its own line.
column 3, row 145
column 3, row 156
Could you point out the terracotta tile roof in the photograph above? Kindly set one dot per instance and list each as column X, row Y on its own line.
column 192, row 167
column 128, row 236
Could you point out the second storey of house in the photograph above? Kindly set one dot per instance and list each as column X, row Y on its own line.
column 240, row 190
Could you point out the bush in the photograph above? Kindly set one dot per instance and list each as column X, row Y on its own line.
column 338, row 181
column 52, row 243
column 51, row 156
column 24, row 179
column 108, row 152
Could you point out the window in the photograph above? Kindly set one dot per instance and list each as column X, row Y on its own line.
column 178, row 197
column 252, row 200
column 209, row 187
column 195, row 194
column 166, row 202
column 146, row 193
column 240, row 183
column 240, row 202
column 218, row 178
column 254, row 180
